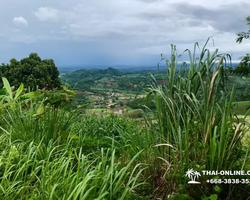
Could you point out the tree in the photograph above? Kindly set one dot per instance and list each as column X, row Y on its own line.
column 33, row 72
column 244, row 35
column 244, row 66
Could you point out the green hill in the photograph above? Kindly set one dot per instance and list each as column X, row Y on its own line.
column 95, row 74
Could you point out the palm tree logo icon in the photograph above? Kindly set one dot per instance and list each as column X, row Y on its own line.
column 191, row 174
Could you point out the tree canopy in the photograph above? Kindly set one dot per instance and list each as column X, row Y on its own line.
column 32, row 72
column 244, row 35
column 244, row 66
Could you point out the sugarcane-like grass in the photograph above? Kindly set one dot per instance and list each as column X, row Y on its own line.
column 195, row 123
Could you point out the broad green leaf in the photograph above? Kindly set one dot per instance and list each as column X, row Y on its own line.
column 7, row 87
column 213, row 197
column 69, row 91
column 31, row 94
column 74, row 137
column 217, row 188
column 40, row 110
column 18, row 92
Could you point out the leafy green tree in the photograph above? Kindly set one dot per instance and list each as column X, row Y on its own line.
column 244, row 66
column 32, row 71
column 244, row 35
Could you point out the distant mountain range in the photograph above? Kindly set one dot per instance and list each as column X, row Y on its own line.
column 120, row 67
column 97, row 74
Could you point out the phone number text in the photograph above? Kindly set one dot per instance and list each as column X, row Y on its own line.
column 228, row 181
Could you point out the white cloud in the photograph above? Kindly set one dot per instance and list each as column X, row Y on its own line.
column 20, row 20
column 47, row 14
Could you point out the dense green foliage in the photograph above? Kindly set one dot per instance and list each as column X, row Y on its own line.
column 142, row 103
column 196, row 121
column 244, row 66
column 50, row 151
column 35, row 164
column 94, row 74
column 109, row 79
column 32, row 71
column 244, row 35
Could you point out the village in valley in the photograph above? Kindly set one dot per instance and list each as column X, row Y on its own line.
column 107, row 91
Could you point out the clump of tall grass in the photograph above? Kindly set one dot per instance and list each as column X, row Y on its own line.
column 194, row 118
column 86, row 131
column 23, row 124
column 92, row 158
column 38, row 171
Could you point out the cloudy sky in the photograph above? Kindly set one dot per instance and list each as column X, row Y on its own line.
column 118, row 32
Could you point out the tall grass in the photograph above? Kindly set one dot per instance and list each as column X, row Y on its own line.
column 41, row 172
column 24, row 125
column 90, row 161
column 195, row 123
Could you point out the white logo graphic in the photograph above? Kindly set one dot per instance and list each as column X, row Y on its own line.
column 191, row 174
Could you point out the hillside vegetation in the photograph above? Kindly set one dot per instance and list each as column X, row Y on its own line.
column 51, row 149
column 94, row 74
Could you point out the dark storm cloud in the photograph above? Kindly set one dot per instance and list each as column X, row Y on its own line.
column 228, row 18
column 134, row 29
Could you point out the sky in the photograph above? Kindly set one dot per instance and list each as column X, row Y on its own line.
column 119, row 32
